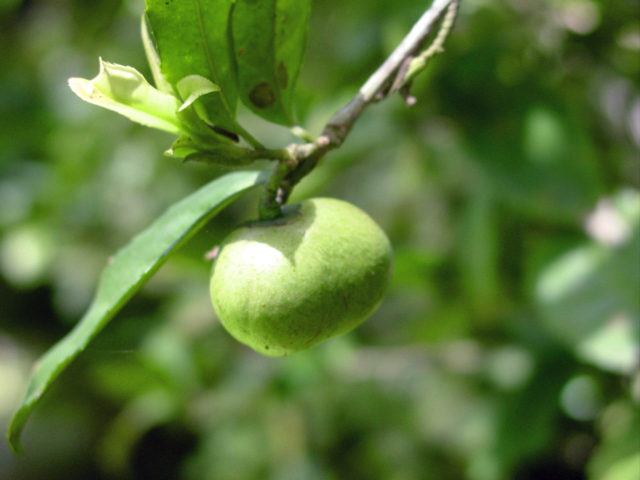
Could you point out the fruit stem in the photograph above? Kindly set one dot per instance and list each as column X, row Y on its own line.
column 271, row 199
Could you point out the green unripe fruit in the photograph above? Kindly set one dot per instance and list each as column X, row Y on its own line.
column 319, row 271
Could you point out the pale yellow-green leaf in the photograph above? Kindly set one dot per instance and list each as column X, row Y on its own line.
column 125, row 91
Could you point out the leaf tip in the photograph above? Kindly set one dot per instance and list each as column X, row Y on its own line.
column 16, row 447
column 13, row 433
column 80, row 86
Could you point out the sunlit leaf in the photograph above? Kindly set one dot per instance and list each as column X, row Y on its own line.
column 130, row 268
column 192, row 87
column 153, row 58
column 613, row 347
column 193, row 38
column 270, row 39
column 588, row 290
column 625, row 469
column 124, row 90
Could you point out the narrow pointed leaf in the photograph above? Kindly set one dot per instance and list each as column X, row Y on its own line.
column 193, row 38
column 124, row 90
column 124, row 276
column 269, row 42
column 153, row 58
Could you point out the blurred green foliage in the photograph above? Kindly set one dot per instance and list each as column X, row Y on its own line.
column 507, row 347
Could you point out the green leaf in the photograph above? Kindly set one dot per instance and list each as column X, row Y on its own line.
column 193, row 87
column 228, row 155
column 183, row 147
column 193, row 38
column 222, row 155
column 124, row 90
column 625, row 469
column 613, row 347
column 124, row 276
column 589, row 290
column 269, row 42
column 207, row 134
column 153, row 58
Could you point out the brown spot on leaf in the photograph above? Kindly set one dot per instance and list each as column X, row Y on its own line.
column 262, row 95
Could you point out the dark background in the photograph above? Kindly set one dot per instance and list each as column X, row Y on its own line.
column 507, row 346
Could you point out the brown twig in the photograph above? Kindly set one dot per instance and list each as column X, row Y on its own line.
column 390, row 74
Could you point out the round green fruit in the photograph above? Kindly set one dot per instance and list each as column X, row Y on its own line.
column 283, row 286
